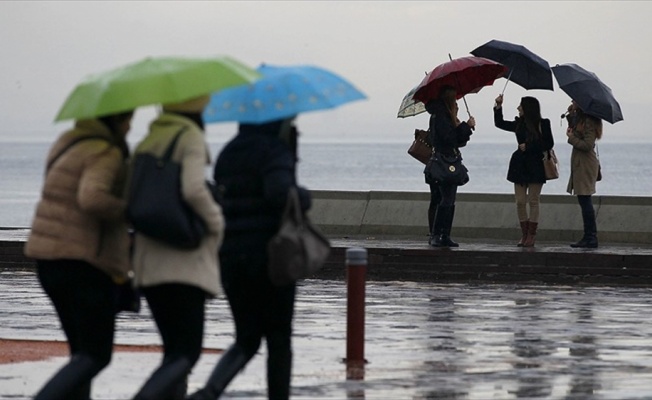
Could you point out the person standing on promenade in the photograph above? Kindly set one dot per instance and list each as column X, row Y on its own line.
column 176, row 282
column 80, row 241
column 447, row 135
column 526, row 171
column 583, row 132
column 253, row 175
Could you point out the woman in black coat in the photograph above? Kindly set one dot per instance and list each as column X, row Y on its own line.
column 253, row 175
column 447, row 135
column 526, row 171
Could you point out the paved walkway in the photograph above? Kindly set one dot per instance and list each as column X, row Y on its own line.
column 423, row 341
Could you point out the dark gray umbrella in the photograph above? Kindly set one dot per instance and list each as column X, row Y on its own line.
column 525, row 68
column 588, row 91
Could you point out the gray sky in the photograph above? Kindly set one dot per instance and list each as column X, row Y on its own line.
column 383, row 47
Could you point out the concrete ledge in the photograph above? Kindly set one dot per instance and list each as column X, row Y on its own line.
column 620, row 219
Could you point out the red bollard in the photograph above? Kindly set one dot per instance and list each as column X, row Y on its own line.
column 356, row 269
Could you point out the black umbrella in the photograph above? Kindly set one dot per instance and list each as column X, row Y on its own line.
column 525, row 68
column 588, row 91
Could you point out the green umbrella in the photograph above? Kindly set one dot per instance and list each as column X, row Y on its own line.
column 154, row 80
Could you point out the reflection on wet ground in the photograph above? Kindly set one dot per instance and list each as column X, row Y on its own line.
column 423, row 341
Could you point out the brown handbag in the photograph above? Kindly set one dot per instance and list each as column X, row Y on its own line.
column 420, row 147
column 550, row 164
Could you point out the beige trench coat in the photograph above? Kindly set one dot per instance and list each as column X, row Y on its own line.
column 80, row 215
column 157, row 263
column 584, row 161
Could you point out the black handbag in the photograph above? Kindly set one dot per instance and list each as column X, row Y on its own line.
column 298, row 249
column 156, row 207
column 447, row 169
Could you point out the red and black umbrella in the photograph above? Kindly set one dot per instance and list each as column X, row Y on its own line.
column 465, row 74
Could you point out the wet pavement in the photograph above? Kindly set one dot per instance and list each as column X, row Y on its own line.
column 424, row 340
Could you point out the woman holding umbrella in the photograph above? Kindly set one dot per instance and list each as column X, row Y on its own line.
column 253, row 175
column 447, row 134
column 526, row 171
column 177, row 281
column 583, row 132
column 80, row 241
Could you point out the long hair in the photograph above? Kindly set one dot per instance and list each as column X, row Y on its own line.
column 446, row 102
column 448, row 97
column 583, row 118
column 532, row 118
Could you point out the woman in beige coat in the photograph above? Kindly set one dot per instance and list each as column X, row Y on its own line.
column 583, row 132
column 80, row 241
column 176, row 282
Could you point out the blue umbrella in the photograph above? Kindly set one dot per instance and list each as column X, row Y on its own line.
column 588, row 91
column 526, row 69
column 283, row 91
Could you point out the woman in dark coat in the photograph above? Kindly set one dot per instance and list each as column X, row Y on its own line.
column 526, row 171
column 253, row 175
column 583, row 132
column 447, row 134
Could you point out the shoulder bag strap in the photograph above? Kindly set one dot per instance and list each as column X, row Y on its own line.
column 168, row 152
column 73, row 143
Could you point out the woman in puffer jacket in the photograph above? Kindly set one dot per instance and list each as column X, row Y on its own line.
column 79, row 239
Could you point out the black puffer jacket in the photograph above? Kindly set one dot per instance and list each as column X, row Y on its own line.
column 253, row 174
column 526, row 166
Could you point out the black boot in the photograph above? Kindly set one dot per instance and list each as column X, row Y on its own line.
column 432, row 212
column 167, row 381
column 435, row 233
column 231, row 362
column 279, row 373
column 446, row 229
column 590, row 239
column 444, row 222
column 73, row 380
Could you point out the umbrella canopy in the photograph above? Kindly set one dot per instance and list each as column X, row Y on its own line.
column 465, row 74
column 154, row 80
column 525, row 68
column 283, row 91
column 588, row 91
column 410, row 107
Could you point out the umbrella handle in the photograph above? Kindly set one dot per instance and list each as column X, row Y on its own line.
column 510, row 75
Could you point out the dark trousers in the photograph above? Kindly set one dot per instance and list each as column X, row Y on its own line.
column 261, row 310
column 178, row 311
column 588, row 215
column 84, row 299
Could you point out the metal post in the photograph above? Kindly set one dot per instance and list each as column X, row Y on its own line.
column 356, row 269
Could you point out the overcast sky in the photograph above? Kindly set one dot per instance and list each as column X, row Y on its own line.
column 384, row 48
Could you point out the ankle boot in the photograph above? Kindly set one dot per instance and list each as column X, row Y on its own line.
column 531, row 234
column 231, row 362
column 524, row 227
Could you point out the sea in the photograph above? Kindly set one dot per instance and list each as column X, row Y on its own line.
column 626, row 170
